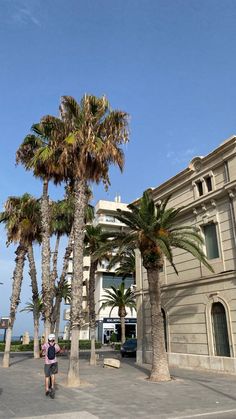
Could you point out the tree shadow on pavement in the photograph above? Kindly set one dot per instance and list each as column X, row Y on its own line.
column 137, row 367
column 25, row 358
column 211, row 388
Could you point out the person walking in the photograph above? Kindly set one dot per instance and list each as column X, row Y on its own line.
column 49, row 350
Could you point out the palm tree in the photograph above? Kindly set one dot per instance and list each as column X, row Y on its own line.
column 154, row 230
column 40, row 152
column 97, row 133
column 21, row 221
column 63, row 292
column 35, row 307
column 62, row 224
column 121, row 298
column 125, row 258
column 35, row 299
column 95, row 241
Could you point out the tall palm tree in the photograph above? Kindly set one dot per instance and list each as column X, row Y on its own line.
column 121, row 298
column 20, row 217
column 97, row 134
column 39, row 152
column 154, row 230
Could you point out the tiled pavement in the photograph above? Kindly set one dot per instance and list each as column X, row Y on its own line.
column 123, row 393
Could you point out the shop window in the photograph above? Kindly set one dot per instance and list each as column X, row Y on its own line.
column 211, row 242
column 220, row 330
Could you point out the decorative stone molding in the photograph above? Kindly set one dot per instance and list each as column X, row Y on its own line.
column 213, row 203
column 196, row 164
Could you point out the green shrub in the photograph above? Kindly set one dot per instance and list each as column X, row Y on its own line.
column 64, row 344
column 2, row 347
column 83, row 344
column 117, row 346
column 113, row 337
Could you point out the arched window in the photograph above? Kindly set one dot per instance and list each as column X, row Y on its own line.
column 165, row 327
column 220, row 330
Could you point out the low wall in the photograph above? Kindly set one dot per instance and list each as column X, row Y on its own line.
column 203, row 362
column 198, row 362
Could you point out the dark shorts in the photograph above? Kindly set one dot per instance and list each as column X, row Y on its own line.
column 50, row 369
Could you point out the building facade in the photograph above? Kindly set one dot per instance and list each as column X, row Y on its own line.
column 199, row 308
column 107, row 323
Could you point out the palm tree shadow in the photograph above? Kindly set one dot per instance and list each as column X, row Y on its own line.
column 25, row 358
column 141, row 368
column 212, row 388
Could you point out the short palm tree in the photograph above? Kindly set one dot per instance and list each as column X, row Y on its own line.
column 154, row 230
column 21, row 219
column 62, row 224
column 97, row 133
column 125, row 259
column 120, row 298
column 95, row 241
column 30, row 306
column 63, row 292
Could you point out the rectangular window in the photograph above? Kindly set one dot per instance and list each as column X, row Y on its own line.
column 199, row 188
column 208, row 183
column 211, row 242
column 115, row 281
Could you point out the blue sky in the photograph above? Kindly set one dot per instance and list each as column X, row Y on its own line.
column 169, row 63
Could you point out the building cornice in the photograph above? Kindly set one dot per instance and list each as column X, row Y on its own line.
column 209, row 279
column 188, row 174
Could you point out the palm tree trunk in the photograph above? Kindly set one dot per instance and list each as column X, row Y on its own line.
column 160, row 368
column 53, row 277
column 36, row 338
column 122, row 323
column 54, row 262
column 56, row 308
column 46, row 286
column 92, row 315
column 57, row 325
column 15, row 299
column 77, row 281
column 35, row 298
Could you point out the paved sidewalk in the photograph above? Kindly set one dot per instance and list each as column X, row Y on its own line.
column 110, row 393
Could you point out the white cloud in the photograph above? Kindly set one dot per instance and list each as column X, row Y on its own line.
column 24, row 15
column 21, row 12
column 181, row 156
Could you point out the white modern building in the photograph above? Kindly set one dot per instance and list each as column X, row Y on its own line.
column 106, row 322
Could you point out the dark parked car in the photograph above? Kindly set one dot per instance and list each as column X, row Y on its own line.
column 129, row 348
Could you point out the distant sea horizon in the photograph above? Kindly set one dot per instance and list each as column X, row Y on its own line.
column 14, row 337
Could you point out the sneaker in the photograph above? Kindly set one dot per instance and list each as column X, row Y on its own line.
column 52, row 393
column 47, row 393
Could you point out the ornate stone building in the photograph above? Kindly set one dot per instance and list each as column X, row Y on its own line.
column 199, row 308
